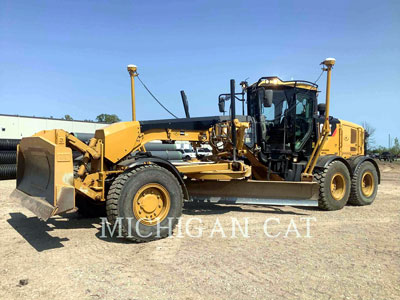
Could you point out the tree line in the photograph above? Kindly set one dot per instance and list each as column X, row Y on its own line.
column 102, row 118
column 370, row 142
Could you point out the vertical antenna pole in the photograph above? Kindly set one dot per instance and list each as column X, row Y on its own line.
column 132, row 69
column 307, row 175
column 233, row 116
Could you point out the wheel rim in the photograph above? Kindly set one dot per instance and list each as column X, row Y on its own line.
column 151, row 204
column 338, row 186
column 367, row 184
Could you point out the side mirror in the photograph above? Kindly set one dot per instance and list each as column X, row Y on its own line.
column 265, row 97
column 221, row 105
column 321, row 109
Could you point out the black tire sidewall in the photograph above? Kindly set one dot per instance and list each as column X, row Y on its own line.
column 125, row 205
column 361, row 198
column 337, row 167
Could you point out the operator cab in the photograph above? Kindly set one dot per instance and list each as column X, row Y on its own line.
column 285, row 127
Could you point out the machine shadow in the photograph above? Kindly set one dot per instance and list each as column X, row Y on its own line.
column 36, row 232
column 205, row 208
column 309, row 208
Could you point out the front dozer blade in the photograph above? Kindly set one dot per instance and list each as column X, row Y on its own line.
column 45, row 177
column 255, row 192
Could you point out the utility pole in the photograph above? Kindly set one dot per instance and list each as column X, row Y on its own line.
column 389, row 141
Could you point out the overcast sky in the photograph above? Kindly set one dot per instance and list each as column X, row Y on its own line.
column 70, row 57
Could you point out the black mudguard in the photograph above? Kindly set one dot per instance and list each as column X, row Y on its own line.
column 147, row 157
column 324, row 161
column 355, row 161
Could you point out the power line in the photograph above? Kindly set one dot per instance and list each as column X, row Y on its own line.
column 319, row 77
column 147, row 89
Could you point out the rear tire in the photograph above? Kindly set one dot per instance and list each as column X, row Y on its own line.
column 334, row 186
column 364, row 184
column 144, row 197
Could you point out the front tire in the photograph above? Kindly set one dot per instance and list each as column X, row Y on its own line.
column 334, row 182
column 148, row 202
column 364, row 184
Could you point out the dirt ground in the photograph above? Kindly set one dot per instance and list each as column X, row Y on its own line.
column 353, row 253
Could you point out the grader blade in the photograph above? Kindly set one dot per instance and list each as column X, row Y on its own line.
column 44, row 177
column 255, row 192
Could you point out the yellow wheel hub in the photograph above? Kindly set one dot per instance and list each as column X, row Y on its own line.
column 367, row 184
column 151, row 204
column 338, row 186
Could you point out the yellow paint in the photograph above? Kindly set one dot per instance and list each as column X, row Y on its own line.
column 116, row 141
column 151, row 204
column 36, row 155
column 119, row 139
column 307, row 175
column 132, row 69
column 338, row 186
column 367, row 184
column 216, row 171
column 346, row 141
column 273, row 82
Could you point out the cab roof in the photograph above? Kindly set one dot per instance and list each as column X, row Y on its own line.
column 275, row 81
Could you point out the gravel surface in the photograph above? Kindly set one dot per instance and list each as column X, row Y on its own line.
column 353, row 253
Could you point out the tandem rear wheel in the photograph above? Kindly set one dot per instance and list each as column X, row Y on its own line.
column 364, row 184
column 147, row 201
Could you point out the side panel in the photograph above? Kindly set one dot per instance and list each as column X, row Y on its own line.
column 119, row 139
column 346, row 140
column 333, row 145
column 353, row 139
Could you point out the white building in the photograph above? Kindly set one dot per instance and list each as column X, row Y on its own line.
column 17, row 127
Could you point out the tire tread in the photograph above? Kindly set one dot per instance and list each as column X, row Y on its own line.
column 354, row 199
column 320, row 177
column 115, row 192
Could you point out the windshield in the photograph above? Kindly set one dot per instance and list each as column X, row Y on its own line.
column 275, row 113
column 287, row 108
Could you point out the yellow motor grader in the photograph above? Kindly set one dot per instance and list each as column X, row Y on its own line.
column 286, row 150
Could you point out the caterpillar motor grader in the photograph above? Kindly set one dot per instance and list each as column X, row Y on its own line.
column 287, row 150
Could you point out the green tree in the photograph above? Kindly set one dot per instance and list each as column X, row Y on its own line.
column 380, row 149
column 106, row 118
column 396, row 147
column 68, row 118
